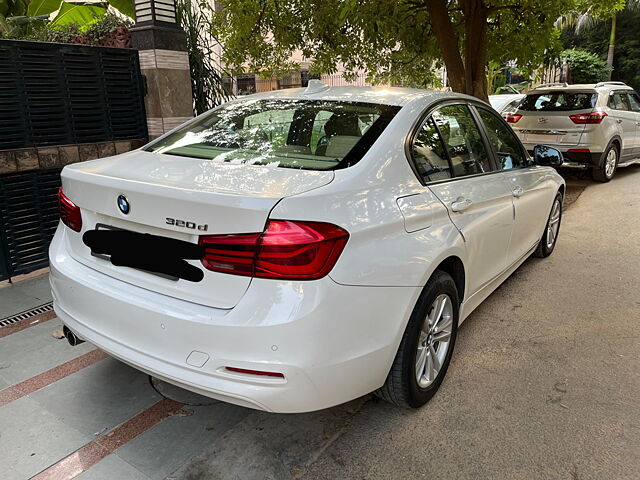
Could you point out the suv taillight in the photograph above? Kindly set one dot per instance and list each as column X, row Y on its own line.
column 287, row 250
column 69, row 212
column 512, row 117
column 588, row 118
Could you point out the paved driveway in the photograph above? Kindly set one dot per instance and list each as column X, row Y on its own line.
column 544, row 384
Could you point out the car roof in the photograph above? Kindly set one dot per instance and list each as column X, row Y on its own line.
column 384, row 95
column 581, row 87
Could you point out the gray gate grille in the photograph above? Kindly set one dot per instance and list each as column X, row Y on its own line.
column 59, row 94
column 28, row 220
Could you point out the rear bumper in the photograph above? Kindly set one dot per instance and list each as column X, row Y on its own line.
column 332, row 342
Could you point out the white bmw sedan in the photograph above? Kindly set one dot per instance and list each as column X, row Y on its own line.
column 293, row 250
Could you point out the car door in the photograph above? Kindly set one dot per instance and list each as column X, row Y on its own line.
column 453, row 160
column 634, row 102
column 532, row 189
column 625, row 118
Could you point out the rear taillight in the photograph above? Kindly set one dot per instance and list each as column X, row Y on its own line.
column 69, row 212
column 588, row 118
column 512, row 117
column 287, row 250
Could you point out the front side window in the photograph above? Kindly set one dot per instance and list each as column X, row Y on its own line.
column 558, row 102
column 304, row 134
column 462, row 139
column 504, row 142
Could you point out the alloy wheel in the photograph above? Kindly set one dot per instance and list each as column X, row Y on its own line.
column 610, row 162
column 554, row 223
column 434, row 340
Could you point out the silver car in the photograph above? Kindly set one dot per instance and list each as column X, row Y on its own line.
column 595, row 126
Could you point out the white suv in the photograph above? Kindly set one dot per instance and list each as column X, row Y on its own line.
column 595, row 126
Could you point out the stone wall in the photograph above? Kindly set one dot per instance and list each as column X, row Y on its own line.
column 25, row 159
column 168, row 102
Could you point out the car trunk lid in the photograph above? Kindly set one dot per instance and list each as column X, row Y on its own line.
column 178, row 198
column 554, row 128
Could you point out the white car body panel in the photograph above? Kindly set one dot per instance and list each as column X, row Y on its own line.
column 486, row 225
column 500, row 102
column 310, row 331
column 535, row 183
column 400, row 231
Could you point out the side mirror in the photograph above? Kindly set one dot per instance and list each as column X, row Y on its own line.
column 547, row 156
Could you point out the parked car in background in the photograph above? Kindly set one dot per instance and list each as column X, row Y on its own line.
column 594, row 125
column 293, row 250
column 506, row 103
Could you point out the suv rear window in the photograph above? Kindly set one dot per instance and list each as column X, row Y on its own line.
column 304, row 134
column 558, row 102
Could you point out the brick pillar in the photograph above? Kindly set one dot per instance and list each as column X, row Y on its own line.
column 164, row 62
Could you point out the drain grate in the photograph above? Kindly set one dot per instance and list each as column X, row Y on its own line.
column 45, row 307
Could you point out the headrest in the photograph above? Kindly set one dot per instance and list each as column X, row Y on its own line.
column 342, row 124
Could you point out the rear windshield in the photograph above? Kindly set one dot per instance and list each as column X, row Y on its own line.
column 558, row 102
column 305, row 134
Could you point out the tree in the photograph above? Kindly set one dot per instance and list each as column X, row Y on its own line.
column 585, row 67
column 594, row 36
column 603, row 12
column 206, row 78
column 394, row 41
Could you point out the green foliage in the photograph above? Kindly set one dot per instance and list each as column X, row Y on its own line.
column 595, row 39
column 603, row 9
column 24, row 17
column 495, row 78
column 13, row 8
column 393, row 41
column 79, row 13
column 206, row 79
column 124, row 6
column 41, row 7
column 90, row 34
column 585, row 67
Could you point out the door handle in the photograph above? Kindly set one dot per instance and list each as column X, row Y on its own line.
column 618, row 120
column 517, row 191
column 461, row 204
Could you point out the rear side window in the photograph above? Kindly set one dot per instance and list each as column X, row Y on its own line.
column 449, row 144
column 429, row 153
column 558, row 102
column 618, row 101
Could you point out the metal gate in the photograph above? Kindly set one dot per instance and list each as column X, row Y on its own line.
column 28, row 220
column 57, row 94
column 53, row 95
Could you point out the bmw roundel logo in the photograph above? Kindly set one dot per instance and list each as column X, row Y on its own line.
column 123, row 204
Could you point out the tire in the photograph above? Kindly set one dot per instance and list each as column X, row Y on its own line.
column 608, row 165
column 402, row 387
column 551, row 228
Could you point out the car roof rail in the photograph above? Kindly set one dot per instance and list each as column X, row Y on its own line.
column 552, row 84
column 602, row 84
